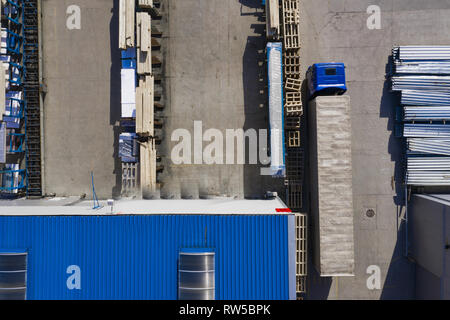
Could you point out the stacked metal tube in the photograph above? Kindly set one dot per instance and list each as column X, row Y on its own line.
column 423, row 78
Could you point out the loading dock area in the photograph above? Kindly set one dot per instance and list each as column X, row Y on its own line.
column 81, row 71
column 337, row 31
column 212, row 75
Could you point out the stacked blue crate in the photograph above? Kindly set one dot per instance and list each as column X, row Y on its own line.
column 128, row 83
column 127, row 141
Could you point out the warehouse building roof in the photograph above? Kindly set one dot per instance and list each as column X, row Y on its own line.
column 73, row 206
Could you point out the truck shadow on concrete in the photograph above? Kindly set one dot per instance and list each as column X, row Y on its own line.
column 115, row 96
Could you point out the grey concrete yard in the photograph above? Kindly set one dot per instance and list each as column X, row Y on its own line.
column 81, row 69
column 335, row 30
column 211, row 75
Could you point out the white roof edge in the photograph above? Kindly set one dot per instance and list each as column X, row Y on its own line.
column 151, row 207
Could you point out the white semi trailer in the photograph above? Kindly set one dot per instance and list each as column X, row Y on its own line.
column 331, row 185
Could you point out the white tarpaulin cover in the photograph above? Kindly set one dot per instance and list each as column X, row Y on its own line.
column 276, row 108
column 2, row 142
column 128, row 80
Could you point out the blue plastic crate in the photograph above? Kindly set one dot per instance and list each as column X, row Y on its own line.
column 129, row 64
column 130, row 53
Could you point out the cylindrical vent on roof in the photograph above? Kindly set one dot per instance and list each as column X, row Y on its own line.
column 196, row 275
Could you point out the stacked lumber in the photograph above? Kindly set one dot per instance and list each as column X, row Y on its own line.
column 273, row 19
column 144, row 43
column 145, row 4
column 127, row 11
column 145, row 106
column 136, row 34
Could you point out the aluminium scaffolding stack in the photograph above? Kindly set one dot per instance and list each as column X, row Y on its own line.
column 12, row 172
column 421, row 76
column 31, row 91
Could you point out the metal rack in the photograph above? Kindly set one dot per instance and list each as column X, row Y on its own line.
column 32, row 97
column 12, row 173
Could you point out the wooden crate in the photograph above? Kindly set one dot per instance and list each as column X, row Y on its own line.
column 293, row 85
column 292, row 63
column 301, row 284
column 291, row 24
column 295, row 163
column 294, row 139
column 129, row 178
column 292, row 123
column 295, row 195
column 291, row 11
column 292, row 36
column 301, row 244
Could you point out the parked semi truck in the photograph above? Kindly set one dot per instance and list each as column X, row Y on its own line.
column 330, row 170
column 325, row 79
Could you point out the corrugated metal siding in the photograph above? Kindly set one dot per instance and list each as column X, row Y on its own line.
column 135, row 257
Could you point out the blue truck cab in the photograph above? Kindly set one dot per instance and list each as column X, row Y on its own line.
column 326, row 79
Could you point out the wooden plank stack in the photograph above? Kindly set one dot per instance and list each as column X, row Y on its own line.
column 127, row 11
column 144, row 43
column 136, row 32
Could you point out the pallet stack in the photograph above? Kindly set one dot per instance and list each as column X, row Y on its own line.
column 293, row 101
column 295, row 158
column 136, row 36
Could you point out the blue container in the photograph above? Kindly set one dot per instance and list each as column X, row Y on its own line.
column 136, row 257
column 326, row 79
column 129, row 64
column 130, row 53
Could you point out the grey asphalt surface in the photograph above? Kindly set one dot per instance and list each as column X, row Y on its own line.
column 81, row 69
column 212, row 50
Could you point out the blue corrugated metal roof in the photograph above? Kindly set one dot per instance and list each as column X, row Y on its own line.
column 135, row 257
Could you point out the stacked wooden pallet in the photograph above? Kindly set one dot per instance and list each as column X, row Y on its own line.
column 290, row 11
column 301, row 252
column 144, row 43
column 291, row 24
column 291, row 36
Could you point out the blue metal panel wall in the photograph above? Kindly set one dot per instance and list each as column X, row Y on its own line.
column 135, row 257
